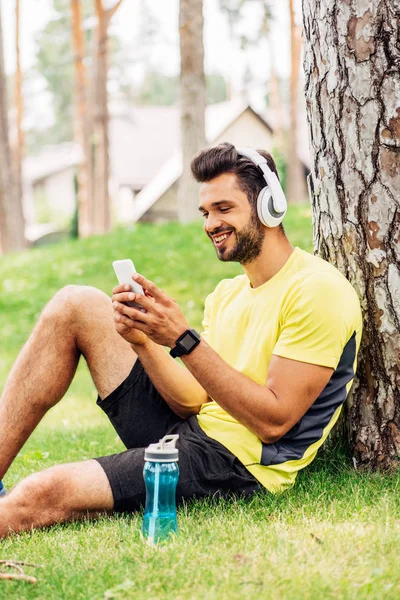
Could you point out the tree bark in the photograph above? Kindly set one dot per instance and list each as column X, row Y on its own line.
column 193, row 102
column 99, row 144
column 10, row 205
column 19, row 233
column 274, row 96
column 352, row 66
column 81, row 119
column 296, row 188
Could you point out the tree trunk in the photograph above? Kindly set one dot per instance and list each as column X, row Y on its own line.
column 19, row 227
column 81, row 119
column 11, row 224
column 99, row 146
column 296, row 187
column 193, row 101
column 353, row 92
column 99, row 136
column 275, row 102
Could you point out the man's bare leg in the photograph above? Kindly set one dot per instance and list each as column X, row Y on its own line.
column 62, row 493
column 78, row 320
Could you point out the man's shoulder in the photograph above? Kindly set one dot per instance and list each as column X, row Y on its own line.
column 226, row 286
column 314, row 273
column 321, row 288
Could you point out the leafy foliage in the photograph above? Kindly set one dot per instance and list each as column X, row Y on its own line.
column 54, row 61
column 158, row 89
column 233, row 9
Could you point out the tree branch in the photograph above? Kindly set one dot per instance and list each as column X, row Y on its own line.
column 14, row 563
column 19, row 577
column 111, row 11
column 17, row 565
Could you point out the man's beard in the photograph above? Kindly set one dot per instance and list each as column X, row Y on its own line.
column 249, row 241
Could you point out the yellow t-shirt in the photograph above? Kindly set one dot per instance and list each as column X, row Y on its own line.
column 307, row 312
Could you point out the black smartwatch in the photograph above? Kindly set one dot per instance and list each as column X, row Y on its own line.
column 185, row 343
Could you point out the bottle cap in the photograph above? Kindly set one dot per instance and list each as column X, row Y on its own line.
column 163, row 451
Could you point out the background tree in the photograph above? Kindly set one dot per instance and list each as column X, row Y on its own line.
column 19, row 135
column 232, row 11
column 54, row 61
column 158, row 89
column 99, row 166
column 274, row 94
column 192, row 101
column 11, row 222
column 82, row 116
column 352, row 73
column 296, row 188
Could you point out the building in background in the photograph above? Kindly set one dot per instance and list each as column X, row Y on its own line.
column 145, row 164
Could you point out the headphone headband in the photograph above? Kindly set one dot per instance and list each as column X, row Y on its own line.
column 278, row 197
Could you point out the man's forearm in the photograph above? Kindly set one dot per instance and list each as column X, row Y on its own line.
column 253, row 405
column 179, row 388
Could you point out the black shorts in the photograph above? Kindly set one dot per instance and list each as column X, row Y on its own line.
column 141, row 417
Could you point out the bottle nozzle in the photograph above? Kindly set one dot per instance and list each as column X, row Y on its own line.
column 164, row 451
column 168, row 441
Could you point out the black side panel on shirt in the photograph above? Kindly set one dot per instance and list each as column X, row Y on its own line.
column 309, row 429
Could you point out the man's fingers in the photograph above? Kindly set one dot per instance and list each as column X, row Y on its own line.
column 140, row 326
column 132, row 297
column 123, row 321
column 149, row 287
column 131, row 312
column 122, row 287
column 124, row 297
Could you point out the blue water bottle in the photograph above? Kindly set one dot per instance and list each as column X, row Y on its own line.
column 160, row 474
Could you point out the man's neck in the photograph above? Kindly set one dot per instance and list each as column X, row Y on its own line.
column 276, row 251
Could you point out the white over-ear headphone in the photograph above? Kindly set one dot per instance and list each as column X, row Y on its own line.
column 271, row 201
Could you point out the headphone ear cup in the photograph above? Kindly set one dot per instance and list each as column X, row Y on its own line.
column 266, row 211
column 264, row 197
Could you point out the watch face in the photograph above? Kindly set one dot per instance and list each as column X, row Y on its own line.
column 187, row 342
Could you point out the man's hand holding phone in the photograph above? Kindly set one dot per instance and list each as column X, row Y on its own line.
column 155, row 316
column 126, row 328
column 124, row 293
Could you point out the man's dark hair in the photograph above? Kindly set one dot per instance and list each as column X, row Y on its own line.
column 224, row 158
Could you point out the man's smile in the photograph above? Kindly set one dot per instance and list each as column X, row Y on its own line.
column 220, row 238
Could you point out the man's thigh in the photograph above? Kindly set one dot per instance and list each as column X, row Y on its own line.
column 137, row 411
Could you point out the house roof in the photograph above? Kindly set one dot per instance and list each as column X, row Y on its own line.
column 145, row 147
column 51, row 160
column 218, row 118
column 142, row 140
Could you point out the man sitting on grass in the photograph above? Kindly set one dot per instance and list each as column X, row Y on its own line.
column 262, row 387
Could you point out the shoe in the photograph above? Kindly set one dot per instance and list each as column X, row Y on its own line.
column 3, row 490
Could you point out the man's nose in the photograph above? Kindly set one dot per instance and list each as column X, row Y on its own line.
column 211, row 223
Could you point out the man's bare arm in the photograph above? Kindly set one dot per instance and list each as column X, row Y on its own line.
column 269, row 410
column 179, row 388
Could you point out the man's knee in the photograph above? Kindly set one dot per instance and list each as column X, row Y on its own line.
column 41, row 499
column 73, row 304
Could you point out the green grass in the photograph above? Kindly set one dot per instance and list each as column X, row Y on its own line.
column 334, row 535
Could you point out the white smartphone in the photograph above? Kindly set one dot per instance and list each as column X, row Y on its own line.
column 124, row 269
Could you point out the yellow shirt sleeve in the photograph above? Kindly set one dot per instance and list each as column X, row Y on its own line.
column 206, row 317
column 318, row 317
